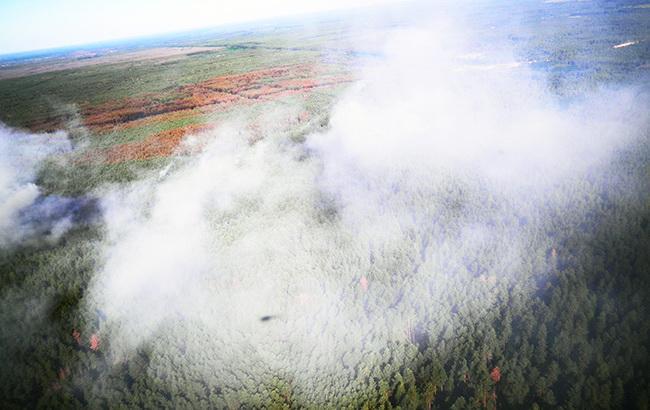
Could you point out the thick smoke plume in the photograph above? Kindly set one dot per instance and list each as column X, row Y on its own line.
column 24, row 212
column 304, row 258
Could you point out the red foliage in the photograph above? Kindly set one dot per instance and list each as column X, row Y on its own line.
column 94, row 342
column 495, row 375
column 363, row 282
column 77, row 336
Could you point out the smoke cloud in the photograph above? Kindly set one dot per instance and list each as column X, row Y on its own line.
column 24, row 212
column 304, row 258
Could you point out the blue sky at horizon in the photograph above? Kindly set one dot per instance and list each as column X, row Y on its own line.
column 42, row 24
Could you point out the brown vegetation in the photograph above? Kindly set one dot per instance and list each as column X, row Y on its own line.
column 495, row 374
column 94, row 342
column 217, row 93
column 162, row 144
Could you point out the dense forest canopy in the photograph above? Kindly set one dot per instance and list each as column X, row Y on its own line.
column 463, row 221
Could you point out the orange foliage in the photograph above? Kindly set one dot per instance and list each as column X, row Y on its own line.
column 94, row 342
column 495, row 375
column 162, row 144
column 218, row 92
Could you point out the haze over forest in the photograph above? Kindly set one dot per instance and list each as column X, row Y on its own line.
column 406, row 206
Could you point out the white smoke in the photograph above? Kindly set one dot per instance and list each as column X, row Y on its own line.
column 21, row 155
column 424, row 117
column 255, row 253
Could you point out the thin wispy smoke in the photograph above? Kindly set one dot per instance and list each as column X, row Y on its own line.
column 296, row 255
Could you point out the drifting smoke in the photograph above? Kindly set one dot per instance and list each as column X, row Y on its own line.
column 302, row 258
column 24, row 212
column 425, row 118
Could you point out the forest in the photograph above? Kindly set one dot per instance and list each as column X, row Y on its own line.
column 284, row 227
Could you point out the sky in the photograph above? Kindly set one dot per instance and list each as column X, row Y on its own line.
column 41, row 24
